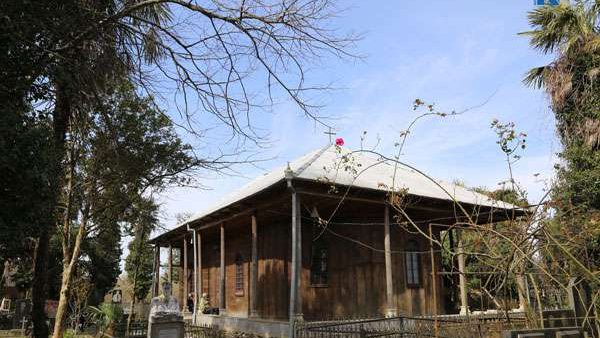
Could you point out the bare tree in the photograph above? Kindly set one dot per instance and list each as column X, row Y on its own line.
column 221, row 60
column 225, row 58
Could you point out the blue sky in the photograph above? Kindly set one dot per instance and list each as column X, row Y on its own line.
column 456, row 54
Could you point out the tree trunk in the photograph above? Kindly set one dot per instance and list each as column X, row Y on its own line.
column 61, row 118
column 63, row 301
column 135, row 275
column 132, row 304
column 67, row 276
column 38, row 291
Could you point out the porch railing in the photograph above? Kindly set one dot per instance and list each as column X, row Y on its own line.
column 139, row 329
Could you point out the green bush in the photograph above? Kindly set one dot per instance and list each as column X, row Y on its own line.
column 106, row 316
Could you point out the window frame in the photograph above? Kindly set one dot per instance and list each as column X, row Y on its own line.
column 239, row 275
column 319, row 247
column 412, row 258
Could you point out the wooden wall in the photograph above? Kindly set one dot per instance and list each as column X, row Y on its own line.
column 273, row 267
column 211, row 263
column 274, row 257
column 237, row 242
column 357, row 276
column 356, row 272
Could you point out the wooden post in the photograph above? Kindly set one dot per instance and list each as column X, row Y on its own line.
column 170, row 265
column 389, row 281
column 295, row 273
column 195, row 275
column 293, row 282
column 199, row 266
column 298, row 258
column 452, row 250
column 156, row 287
column 222, row 272
column 433, row 281
column 464, row 298
column 185, row 275
column 254, row 270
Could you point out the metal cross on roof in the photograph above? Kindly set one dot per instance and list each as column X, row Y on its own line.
column 330, row 132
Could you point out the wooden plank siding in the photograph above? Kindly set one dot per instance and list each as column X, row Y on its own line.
column 357, row 277
column 356, row 280
column 237, row 242
column 273, row 268
column 274, row 255
column 357, row 271
column 211, row 262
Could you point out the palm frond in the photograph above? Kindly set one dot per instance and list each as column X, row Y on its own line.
column 105, row 315
column 535, row 77
column 153, row 46
column 556, row 27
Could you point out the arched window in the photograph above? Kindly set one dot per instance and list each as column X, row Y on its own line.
column 413, row 266
column 319, row 266
column 239, row 275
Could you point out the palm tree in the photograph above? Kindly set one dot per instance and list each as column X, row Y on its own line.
column 106, row 317
column 572, row 33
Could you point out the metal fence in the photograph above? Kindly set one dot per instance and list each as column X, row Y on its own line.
column 411, row 327
column 139, row 329
column 202, row 331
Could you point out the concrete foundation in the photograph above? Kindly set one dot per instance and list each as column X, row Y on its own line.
column 262, row 327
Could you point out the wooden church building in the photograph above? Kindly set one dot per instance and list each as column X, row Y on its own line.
column 317, row 239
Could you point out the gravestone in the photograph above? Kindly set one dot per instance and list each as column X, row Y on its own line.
column 22, row 309
column 165, row 319
column 569, row 334
column 531, row 335
column 166, row 327
column 582, row 303
column 549, row 332
column 559, row 318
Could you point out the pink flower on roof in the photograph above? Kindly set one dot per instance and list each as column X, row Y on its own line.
column 339, row 141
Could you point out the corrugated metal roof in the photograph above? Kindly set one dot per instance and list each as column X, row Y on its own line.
column 362, row 169
column 380, row 173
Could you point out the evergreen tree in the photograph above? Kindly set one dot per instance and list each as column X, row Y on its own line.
column 124, row 151
column 103, row 260
column 139, row 264
column 570, row 32
column 65, row 55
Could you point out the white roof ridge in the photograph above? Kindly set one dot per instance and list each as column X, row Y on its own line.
column 311, row 160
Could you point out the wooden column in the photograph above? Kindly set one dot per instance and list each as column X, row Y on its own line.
column 170, row 265
column 254, row 270
column 294, row 283
column 434, row 280
column 199, row 266
column 195, row 275
column 185, row 274
column 156, row 286
column 389, row 280
column 464, row 298
column 294, row 279
column 299, row 314
column 222, row 272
